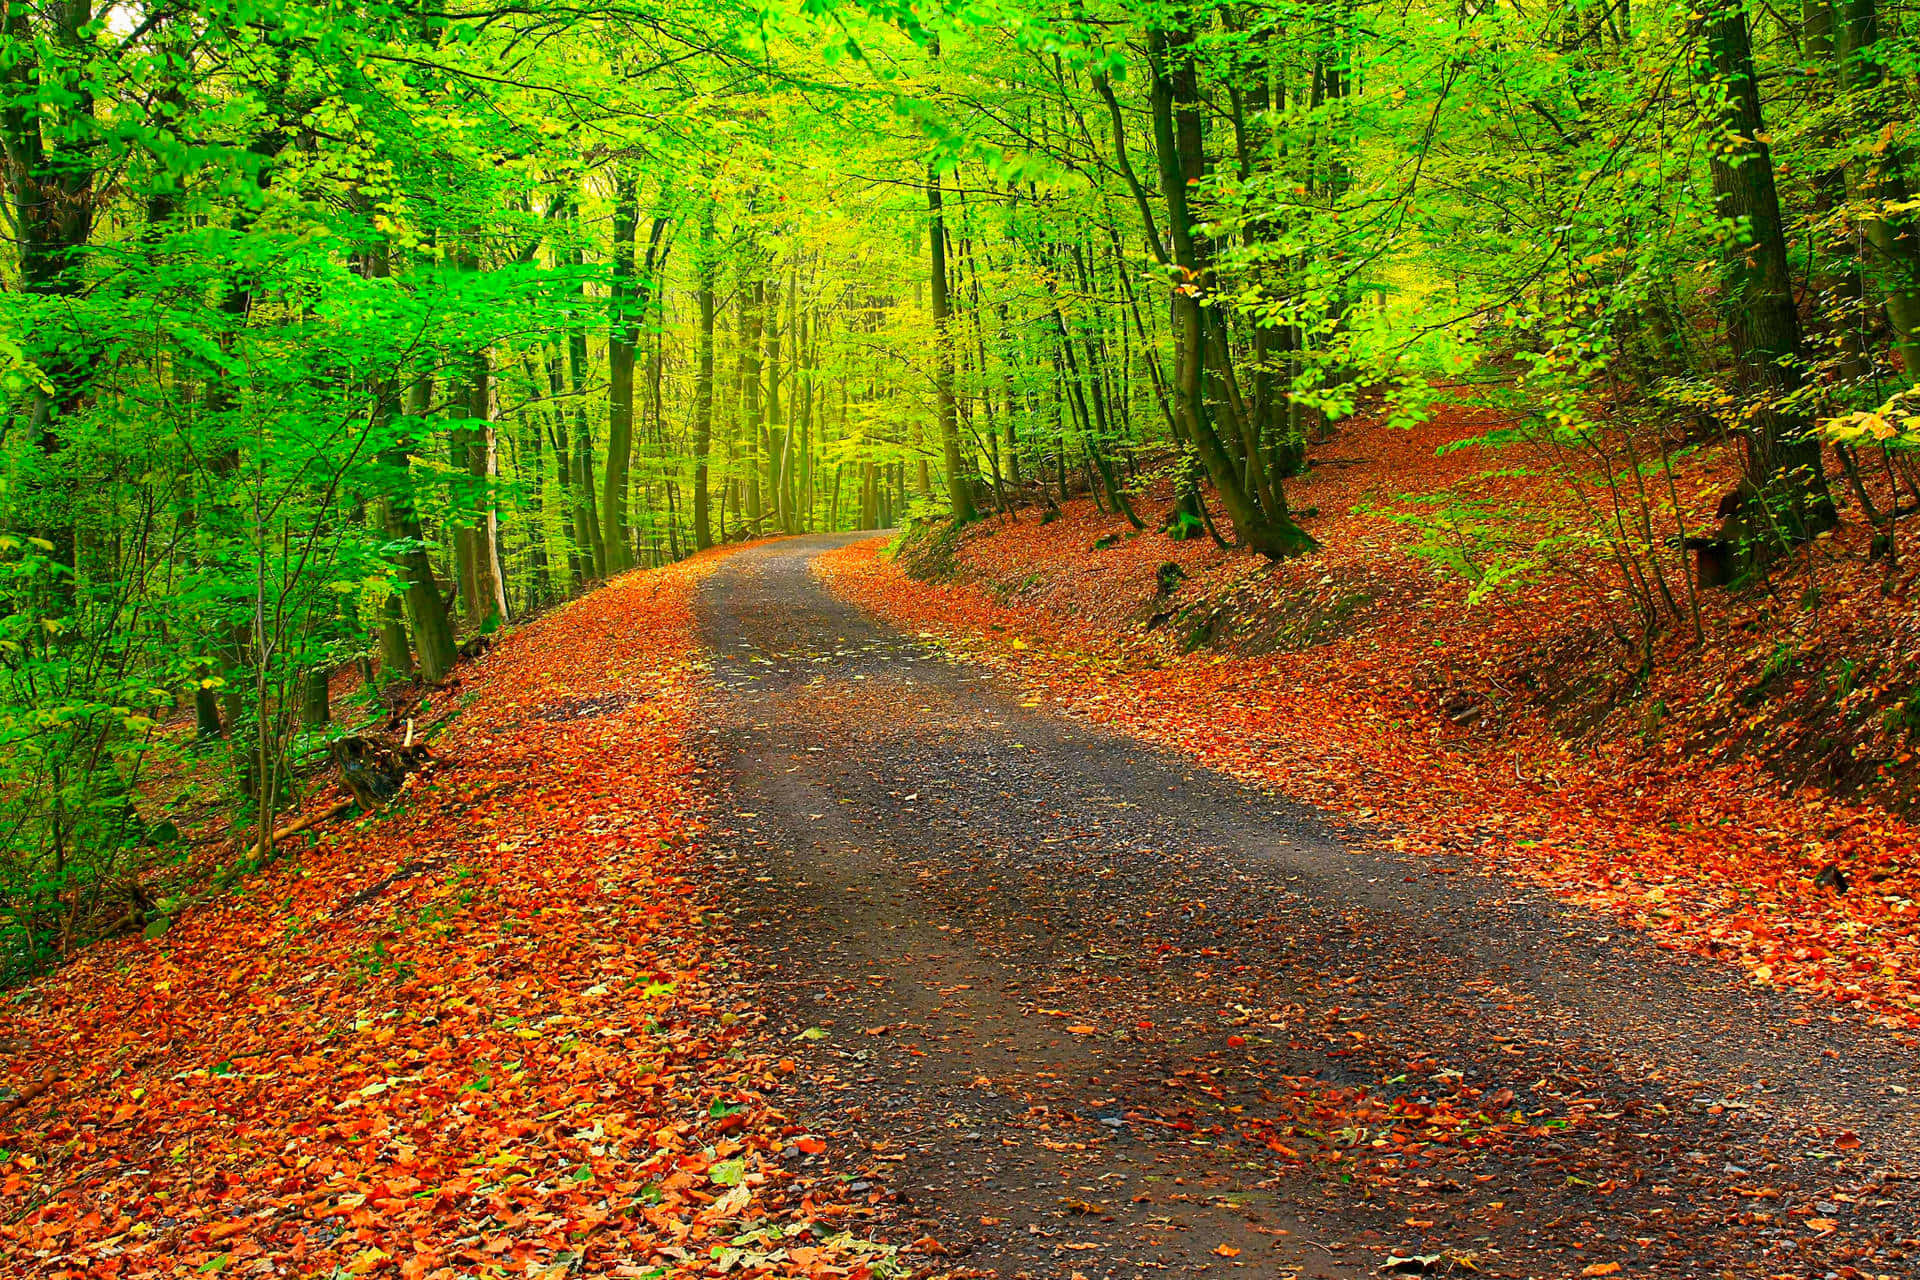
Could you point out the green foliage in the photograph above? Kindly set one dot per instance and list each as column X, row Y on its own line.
column 377, row 963
column 1495, row 545
column 1904, row 716
column 1894, row 424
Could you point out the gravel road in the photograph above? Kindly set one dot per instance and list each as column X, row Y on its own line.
column 1068, row 1005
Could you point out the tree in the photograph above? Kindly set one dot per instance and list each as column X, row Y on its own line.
column 959, row 485
column 1784, row 470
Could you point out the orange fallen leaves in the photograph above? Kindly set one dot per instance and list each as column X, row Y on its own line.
column 514, row 1057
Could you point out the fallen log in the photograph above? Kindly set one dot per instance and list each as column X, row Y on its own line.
column 303, row 823
column 374, row 890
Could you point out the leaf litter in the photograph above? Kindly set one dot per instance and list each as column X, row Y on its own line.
column 516, row 1058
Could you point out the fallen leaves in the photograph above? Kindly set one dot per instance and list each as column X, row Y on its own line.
column 516, row 1058
column 1377, row 694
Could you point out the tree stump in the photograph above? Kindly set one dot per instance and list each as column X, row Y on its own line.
column 373, row 767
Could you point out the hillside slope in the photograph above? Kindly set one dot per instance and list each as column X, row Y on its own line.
column 1714, row 790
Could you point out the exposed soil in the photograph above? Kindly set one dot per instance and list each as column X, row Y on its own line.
column 1069, row 1005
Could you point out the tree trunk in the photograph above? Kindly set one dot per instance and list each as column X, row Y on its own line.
column 487, row 607
column 620, row 352
column 315, row 705
column 774, row 435
column 426, row 607
column 959, row 490
column 703, row 381
column 629, row 306
column 752, row 318
column 1894, row 264
column 579, row 557
column 49, row 179
column 1177, row 138
column 1783, row 467
column 396, row 655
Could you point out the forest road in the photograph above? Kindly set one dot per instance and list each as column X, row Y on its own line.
column 1063, row 1004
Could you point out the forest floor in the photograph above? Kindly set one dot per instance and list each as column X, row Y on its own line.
column 486, row 1031
column 737, row 931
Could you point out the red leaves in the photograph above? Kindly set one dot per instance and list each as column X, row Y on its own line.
column 513, row 1054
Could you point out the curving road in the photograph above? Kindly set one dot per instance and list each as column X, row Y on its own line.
column 1070, row 1006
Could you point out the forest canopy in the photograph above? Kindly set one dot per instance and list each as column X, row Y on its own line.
column 337, row 336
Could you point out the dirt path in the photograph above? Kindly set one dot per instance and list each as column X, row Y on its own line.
column 1067, row 1005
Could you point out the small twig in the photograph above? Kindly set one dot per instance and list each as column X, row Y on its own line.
column 28, row 1094
column 372, row 891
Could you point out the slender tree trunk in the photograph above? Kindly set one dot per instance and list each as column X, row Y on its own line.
column 774, row 436
column 1880, row 177
column 539, row 589
column 426, row 607
column 620, row 354
column 703, row 380
column 489, row 599
column 804, row 417
column 576, row 456
column 579, row 556
column 959, row 488
column 752, row 313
